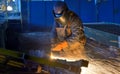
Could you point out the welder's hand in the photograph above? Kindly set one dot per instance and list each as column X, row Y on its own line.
column 60, row 46
column 57, row 48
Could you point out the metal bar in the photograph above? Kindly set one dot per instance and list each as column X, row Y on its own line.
column 47, row 61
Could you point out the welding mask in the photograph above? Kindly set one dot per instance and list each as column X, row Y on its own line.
column 60, row 13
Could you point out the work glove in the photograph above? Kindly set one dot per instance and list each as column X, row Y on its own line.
column 60, row 46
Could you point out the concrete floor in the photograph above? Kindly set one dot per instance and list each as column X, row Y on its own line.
column 102, row 59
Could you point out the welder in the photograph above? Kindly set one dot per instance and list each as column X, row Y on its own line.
column 68, row 36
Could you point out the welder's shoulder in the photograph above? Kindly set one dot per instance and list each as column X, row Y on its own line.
column 72, row 14
column 75, row 19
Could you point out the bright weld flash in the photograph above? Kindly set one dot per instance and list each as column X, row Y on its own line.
column 61, row 58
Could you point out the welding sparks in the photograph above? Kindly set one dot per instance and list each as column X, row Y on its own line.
column 63, row 58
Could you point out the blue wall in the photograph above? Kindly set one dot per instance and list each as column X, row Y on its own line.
column 74, row 6
column 116, row 11
column 41, row 17
column 87, row 11
column 24, row 13
column 105, row 11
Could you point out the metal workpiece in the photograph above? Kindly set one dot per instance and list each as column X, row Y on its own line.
column 74, row 66
column 15, row 57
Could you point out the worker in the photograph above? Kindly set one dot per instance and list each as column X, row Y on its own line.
column 68, row 36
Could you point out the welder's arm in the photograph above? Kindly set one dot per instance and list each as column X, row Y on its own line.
column 55, row 43
column 77, row 34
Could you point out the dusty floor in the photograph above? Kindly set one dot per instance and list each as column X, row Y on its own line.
column 102, row 59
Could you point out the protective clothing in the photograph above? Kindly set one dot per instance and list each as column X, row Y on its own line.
column 67, row 29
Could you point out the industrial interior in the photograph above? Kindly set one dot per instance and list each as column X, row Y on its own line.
column 25, row 32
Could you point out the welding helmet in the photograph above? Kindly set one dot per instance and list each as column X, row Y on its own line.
column 60, row 11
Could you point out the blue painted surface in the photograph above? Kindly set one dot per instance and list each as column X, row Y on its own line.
column 105, row 11
column 74, row 6
column 24, row 13
column 49, row 14
column 87, row 11
column 116, row 11
column 41, row 12
column 37, row 13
